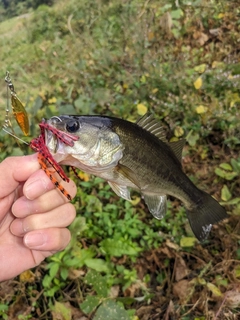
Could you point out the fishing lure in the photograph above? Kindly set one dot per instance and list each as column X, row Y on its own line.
column 19, row 111
column 44, row 156
column 38, row 144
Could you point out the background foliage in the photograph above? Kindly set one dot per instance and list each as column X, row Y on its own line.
column 178, row 60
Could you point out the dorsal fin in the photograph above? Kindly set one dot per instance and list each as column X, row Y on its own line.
column 177, row 147
column 149, row 123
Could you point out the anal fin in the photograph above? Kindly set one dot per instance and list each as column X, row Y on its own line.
column 157, row 205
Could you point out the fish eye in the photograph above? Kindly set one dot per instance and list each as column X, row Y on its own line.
column 72, row 126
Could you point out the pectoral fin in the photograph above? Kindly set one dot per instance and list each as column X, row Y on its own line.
column 157, row 205
column 128, row 174
column 121, row 191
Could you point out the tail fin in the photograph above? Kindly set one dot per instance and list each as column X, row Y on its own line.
column 203, row 216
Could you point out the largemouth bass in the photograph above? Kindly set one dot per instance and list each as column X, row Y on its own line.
column 138, row 156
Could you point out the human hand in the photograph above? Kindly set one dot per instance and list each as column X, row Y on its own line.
column 33, row 215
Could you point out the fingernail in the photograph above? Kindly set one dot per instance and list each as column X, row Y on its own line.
column 32, row 189
column 34, row 240
column 21, row 207
column 17, row 227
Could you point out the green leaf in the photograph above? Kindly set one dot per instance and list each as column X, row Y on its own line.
column 83, row 105
column 62, row 312
column 98, row 282
column 221, row 281
column 225, row 193
column 220, row 172
column 176, row 14
column 234, row 201
column 66, row 109
column 79, row 256
column 215, row 291
column 200, row 68
column 230, row 175
column 46, row 281
column 90, row 303
column 54, row 269
column 236, row 165
column 165, row 7
column 226, row 166
column 98, row 265
column 187, row 242
column 192, row 139
column 111, row 310
column 51, row 292
column 237, row 271
column 3, row 307
column 117, row 248
column 64, row 273
column 225, row 174
column 93, row 204
column 78, row 225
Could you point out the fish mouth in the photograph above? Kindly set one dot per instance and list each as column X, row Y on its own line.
column 55, row 128
column 52, row 141
column 55, row 146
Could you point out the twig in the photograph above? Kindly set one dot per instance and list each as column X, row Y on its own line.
column 144, row 8
column 69, row 24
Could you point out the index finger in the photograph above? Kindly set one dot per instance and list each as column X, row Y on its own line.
column 14, row 170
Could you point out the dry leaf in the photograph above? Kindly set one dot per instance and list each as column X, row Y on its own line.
column 167, row 252
column 76, row 273
column 200, row 37
column 178, row 132
column 84, row 176
column 166, row 23
column 221, row 15
column 27, row 276
column 155, row 90
column 201, row 109
column 141, row 109
column 114, row 291
column 150, row 36
column 182, row 290
column 170, row 311
column 133, row 290
column 233, row 300
column 181, row 269
column 172, row 245
column 52, row 100
column 198, row 83
column 218, row 64
column 144, row 312
column 215, row 32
